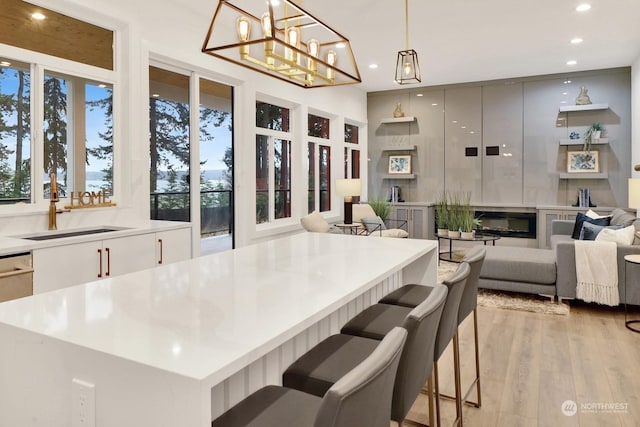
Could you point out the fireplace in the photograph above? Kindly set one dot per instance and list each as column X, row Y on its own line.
column 508, row 224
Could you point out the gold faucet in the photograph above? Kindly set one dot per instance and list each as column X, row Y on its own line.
column 53, row 198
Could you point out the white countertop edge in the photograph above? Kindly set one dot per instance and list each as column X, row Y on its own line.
column 10, row 245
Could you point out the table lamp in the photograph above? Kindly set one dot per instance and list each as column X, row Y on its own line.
column 634, row 194
column 348, row 188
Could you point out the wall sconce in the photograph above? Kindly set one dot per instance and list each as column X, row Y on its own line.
column 348, row 188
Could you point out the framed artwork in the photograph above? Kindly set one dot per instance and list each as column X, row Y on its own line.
column 582, row 162
column 399, row 164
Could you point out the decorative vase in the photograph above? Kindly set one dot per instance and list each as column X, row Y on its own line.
column 596, row 136
column 443, row 232
column 454, row 234
column 466, row 235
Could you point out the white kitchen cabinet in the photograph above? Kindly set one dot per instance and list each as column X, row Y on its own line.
column 72, row 264
column 172, row 246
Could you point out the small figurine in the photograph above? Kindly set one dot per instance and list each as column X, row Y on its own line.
column 398, row 111
column 583, row 98
column 574, row 135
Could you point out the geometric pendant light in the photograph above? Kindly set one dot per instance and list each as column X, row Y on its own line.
column 407, row 65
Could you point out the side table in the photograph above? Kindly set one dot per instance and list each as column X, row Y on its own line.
column 352, row 228
column 484, row 238
column 630, row 261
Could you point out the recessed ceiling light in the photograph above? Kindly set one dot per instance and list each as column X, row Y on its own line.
column 5, row 64
column 567, row 82
column 454, row 121
column 472, row 131
column 434, row 104
column 564, row 93
column 563, row 102
column 38, row 16
column 341, row 45
column 102, row 85
column 373, row 66
column 583, row 7
column 572, row 62
column 463, row 127
column 156, row 95
column 576, row 40
column 419, row 94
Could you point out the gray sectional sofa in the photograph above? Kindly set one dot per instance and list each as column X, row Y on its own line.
column 517, row 269
column 553, row 271
column 562, row 244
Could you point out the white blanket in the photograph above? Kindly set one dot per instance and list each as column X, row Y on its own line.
column 597, row 272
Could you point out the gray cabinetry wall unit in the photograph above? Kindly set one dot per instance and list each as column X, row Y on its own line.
column 522, row 118
column 419, row 217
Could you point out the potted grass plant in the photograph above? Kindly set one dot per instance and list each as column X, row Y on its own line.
column 442, row 215
column 454, row 215
column 467, row 219
column 382, row 208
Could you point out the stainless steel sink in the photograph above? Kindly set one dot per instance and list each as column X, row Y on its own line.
column 71, row 233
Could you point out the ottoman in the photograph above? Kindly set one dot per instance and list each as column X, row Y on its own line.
column 516, row 269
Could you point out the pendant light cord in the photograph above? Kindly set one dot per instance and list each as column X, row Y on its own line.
column 406, row 21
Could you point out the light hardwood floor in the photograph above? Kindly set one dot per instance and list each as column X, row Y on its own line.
column 531, row 363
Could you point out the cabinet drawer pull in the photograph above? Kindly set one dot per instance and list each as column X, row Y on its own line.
column 108, row 262
column 100, row 258
column 160, row 242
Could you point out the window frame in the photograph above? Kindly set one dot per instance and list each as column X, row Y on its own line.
column 39, row 64
column 272, row 135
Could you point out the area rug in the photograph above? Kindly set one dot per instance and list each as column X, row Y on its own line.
column 507, row 300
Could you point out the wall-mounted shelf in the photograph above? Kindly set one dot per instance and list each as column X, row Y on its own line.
column 600, row 141
column 399, row 148
column 586, row 175
column 587, row 107
column 398, row 120
column 400, row 176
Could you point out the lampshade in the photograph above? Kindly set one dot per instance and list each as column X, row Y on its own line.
column 634, row 192
column 348, row 187
column 282, row 40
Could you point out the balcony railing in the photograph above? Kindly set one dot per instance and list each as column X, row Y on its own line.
column 216, row 209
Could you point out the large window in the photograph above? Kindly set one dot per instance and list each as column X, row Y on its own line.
column 319, row 148
column 273, row 163
column 54, row 122
column 15, row 132
column 351, row 154
column 77, row 134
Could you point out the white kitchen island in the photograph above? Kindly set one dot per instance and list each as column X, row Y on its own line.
column 176, row 345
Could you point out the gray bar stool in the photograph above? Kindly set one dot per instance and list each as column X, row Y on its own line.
column 317, row 369
column 469, row 303
column 411, row 294
column 361, row 398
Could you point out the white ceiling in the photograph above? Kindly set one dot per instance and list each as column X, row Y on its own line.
column 473, row 40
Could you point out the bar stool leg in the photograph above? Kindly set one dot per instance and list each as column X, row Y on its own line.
column 477, row 379
column 456, row 376
column 436, row 393
column 430, row 397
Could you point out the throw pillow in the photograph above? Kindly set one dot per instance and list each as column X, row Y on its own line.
column 590, row 231
column 623, row 236
column 373, row 223
column 592, row 214
column 315, row 222
column 581, row 218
